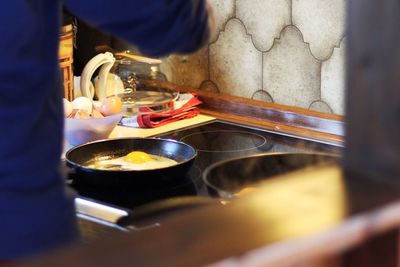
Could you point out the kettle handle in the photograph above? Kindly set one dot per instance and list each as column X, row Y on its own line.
column 106, row 60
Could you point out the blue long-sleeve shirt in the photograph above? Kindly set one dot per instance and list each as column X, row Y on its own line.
column 36, row 213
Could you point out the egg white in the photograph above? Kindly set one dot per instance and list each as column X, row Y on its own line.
column 120, row 163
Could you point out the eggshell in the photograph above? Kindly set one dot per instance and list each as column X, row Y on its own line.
column 67, row 107
column 83, row 103
column 96, row 113
column 81, row 114
column 111, row 105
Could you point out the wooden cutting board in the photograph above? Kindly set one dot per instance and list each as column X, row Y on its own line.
column 122, row 131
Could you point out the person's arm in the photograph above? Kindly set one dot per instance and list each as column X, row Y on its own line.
column 157, row 27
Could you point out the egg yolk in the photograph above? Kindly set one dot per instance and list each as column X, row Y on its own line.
column 138, row 157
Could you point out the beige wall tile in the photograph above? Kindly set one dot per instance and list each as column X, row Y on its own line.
column 263, row 96
column 333, row 79
column 235, row 64
column 209, row 86
column 291, row 73
column 224, row 10
column 189, row 70
column 320, row 106
column 321, row 22
column 264, row 19
column 303, row 62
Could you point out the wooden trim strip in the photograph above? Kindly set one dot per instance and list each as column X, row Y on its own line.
column 279, row 118
column 278, row 128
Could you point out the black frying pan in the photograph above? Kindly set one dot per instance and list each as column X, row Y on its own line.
column 227, row 178
column 78, row 157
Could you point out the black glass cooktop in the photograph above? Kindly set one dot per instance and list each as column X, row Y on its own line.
column 214, row 141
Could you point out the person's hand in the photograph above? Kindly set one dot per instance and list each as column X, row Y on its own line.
column 212, row 24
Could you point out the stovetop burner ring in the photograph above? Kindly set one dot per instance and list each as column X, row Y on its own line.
column 257, row 140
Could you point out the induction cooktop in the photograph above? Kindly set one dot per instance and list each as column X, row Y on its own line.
column 214, row 141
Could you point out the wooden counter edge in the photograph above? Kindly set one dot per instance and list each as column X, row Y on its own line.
column 180, row 243
column 349, row 234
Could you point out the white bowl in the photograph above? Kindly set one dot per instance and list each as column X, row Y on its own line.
column 79, row 131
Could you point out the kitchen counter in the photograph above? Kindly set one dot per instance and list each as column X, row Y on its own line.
column 291, row 219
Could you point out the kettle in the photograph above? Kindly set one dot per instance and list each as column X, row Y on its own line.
column 118, row 76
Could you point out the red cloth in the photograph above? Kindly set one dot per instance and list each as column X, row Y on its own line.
column 188, row 110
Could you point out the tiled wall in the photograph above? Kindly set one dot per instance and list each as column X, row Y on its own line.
column 289, row 52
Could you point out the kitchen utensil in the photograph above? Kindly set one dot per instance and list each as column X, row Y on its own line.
column 226, row 178
column 78, row 157
column 141, row 217
column 154, row 212
column 118, row 78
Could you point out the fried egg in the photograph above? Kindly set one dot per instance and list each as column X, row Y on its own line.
column 135, row 160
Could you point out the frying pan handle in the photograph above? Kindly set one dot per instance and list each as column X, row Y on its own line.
column 141, row 218
column 152, row 213
column 69, row 173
